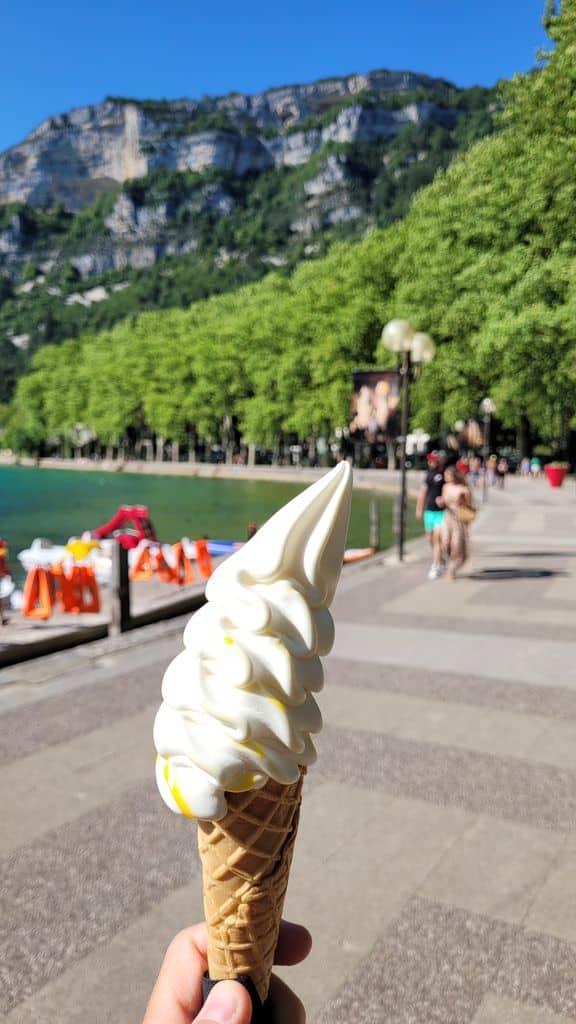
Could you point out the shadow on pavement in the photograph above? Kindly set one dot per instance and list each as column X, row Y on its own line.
column 533, row 554
column 514, row 574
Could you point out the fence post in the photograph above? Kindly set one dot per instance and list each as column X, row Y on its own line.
column 397, row 515
column 120, row 591
column 374, row 536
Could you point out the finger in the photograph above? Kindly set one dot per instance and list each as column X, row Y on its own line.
column 177, row 994
column 227, row 1003
column 294, row 943
column 285, row 1006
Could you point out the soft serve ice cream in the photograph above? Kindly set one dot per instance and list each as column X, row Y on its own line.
column 238, row 705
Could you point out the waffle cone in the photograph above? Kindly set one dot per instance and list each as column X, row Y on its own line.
column 246, row 859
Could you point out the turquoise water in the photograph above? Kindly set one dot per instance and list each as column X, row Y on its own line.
column 59, row 504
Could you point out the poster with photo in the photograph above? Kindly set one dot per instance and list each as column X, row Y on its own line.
column 375, row 404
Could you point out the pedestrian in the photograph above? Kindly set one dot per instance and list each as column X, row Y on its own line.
column 501, row 471
column 456, row 500
column 427, row 508
column 490, row 471
column 3, row 576
column 535, row 467
column 475, row 474
column 525, row 468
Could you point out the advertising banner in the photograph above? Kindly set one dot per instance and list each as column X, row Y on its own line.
column 375, row 404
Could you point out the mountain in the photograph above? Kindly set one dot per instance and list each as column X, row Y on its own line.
column 142, row 204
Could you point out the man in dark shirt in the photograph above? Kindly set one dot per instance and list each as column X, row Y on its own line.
column 428, row 509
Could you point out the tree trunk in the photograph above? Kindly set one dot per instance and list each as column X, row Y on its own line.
column 391, row 454
column 159, row 449
column 175, row 451
column 277, row 456
column 524, row 440
column 192, row 446
column 251, row 454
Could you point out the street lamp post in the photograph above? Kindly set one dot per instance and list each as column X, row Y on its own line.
column 487, row 408
column 414, row 348
column 405, row 369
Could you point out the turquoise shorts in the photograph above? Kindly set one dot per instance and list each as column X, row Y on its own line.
column 433, row 519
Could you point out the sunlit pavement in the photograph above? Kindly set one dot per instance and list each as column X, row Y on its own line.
column 436, row 864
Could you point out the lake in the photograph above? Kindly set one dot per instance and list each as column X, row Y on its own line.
column 59, row 504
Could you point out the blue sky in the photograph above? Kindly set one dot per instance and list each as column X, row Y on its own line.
column 57, row 56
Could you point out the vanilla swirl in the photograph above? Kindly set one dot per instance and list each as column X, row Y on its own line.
column 238, row 703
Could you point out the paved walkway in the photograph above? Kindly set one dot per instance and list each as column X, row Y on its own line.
column 436, row 864
column 23, row 637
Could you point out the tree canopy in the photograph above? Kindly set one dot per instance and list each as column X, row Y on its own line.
column 486, row 257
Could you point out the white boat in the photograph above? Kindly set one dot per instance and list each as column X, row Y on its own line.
column 42, row 553
column 6, row 586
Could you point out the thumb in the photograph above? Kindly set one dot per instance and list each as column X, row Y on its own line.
column 227, row 1003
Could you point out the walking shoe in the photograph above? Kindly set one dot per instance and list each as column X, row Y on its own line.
column 434, row 572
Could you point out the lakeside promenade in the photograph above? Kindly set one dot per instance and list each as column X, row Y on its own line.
column 372, row 479
column 436, row 861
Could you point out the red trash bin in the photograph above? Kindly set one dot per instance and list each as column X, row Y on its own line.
column 555, row 474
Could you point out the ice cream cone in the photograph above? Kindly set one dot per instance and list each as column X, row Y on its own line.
column 246, row 859
column 234, row 732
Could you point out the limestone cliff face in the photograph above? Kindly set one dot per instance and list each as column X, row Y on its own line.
column 132, row 204
column 76, row 156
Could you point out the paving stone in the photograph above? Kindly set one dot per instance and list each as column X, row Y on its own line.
column 543, row 662
column 25, row 730
column 114, row 981
column 496, row 868
column 483, row 625
column 56, row 785
column 540, row 970
column 429, row 721
column 483, row 730
column 554, row 908
column 457, row 687
column 78, row 885
column 496, row 1010
column 507, row 788
column 351, row 876
column 556, row 743
column 433, row 966
column 442, row 965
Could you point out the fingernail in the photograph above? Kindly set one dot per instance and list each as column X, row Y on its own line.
column 221, row 1007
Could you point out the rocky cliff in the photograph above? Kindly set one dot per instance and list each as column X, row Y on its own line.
column 74, row 157
column 130, row 204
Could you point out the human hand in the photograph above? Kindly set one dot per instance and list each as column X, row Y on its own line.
column 177, row 994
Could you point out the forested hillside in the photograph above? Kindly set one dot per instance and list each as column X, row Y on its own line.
column 485, row 260
column 227, row 190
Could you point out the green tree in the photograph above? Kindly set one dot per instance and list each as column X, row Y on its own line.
column 486, row 257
